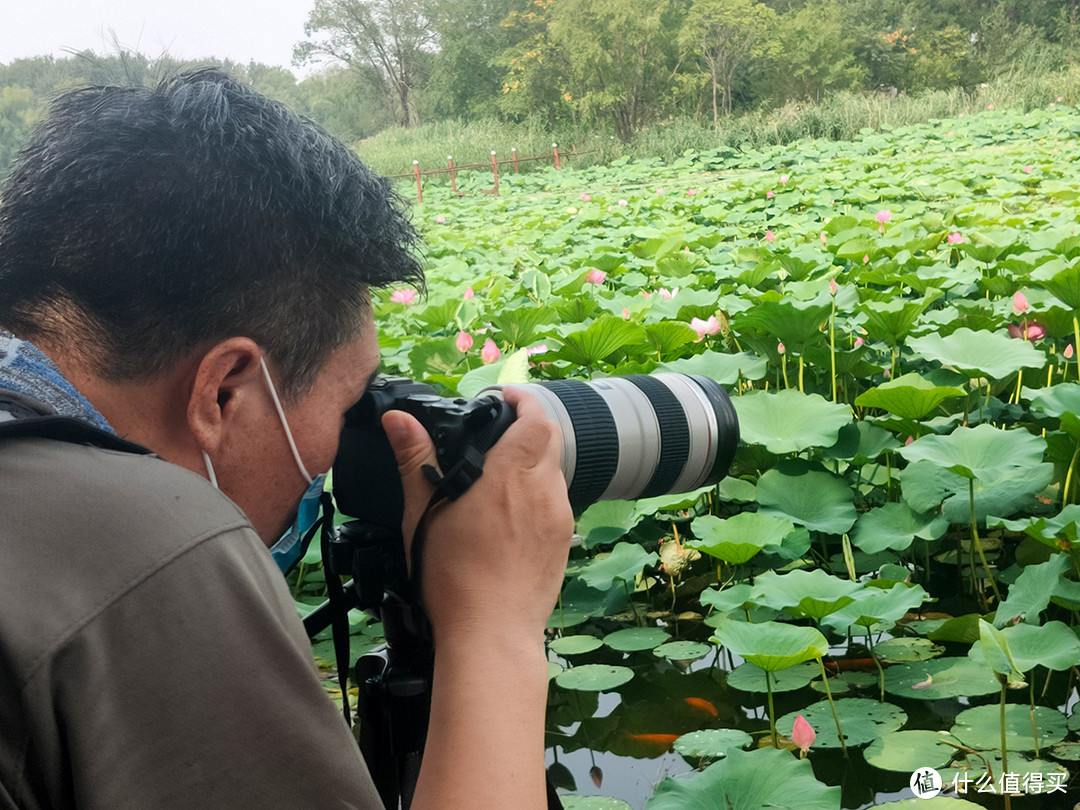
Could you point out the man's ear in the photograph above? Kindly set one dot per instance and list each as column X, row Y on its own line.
column 227, row 377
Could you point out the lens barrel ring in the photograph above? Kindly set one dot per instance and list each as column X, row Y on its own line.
column 674, row 434
column 596, row 436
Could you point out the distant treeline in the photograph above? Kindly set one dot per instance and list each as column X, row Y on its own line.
column 614, row 66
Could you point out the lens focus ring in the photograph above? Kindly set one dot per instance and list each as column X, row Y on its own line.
column 596, row 437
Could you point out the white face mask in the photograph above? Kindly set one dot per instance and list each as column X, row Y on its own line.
column 286, row 551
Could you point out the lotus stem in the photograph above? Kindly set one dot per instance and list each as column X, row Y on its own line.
column 1019, row 383
column 772, row 711
column 783, row 368
column 802, row 368
column 877, row 663
column 1004, row 750
column 832, row 705
column 832, row 346
column 1069, row 475
column 1076, row 343
column 1031, row 709
column 978, row 542
column 1050, row 376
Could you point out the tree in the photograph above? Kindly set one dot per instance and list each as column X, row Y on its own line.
column 726, row 35
column 387, row 43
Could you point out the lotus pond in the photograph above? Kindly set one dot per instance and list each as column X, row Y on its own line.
column 894, row 555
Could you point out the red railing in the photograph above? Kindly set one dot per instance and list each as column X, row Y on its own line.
column 494, row 165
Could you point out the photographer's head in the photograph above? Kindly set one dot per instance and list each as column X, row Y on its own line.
column 158, row 244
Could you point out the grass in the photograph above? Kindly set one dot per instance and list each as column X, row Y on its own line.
column 838, row 117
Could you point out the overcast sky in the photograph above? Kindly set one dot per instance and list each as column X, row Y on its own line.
column 241, row 30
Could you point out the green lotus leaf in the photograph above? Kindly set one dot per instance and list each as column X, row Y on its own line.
column 818, row 500
column 907, row 751
column 872, row 606
column 738, row 538
column 634, row 639
column 748, row 780
column 594, row 677
column 1060, row 279
column 712, row 742
column 891, row 320
column 575, row 645
column 861, row 442
column 894, row 526
column 683, row 650
column 993, row 650
column 666, row 337
column 749, row 678
column 979, row 354
column 861, row 719
column 1053, row 645
column 789, row 421
column 982, row 449
column 1056, row 400
column 731, row 598
column 592, row 803
column 980, row 727
column 925, row 486
column 725, row 369
column 607, row 521
column 624, row 562
column 897, row 650
column 523, row 325
column 771, row 645
column 604, row 336
column 909, row 397
column 940, row 678
column 795, row 324
column 1031, row 592
column 810, row 594
column 580, row 602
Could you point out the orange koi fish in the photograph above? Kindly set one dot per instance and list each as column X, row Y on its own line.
column 702, row 705
column 665, row 740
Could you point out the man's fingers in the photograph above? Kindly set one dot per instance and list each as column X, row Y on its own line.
column 413, row 449
column 533, row 438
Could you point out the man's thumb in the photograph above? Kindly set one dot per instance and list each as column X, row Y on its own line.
column 412, row 448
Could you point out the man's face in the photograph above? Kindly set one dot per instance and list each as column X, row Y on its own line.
column 316, row 420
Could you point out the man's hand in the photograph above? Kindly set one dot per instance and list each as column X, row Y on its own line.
column 493, row 559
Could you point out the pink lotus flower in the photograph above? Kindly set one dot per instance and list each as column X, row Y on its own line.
column 666, row 294
column 646, row 294
column 1068, row 352
column 783, row 179
column 780, row 348
column 955, row 238
column 596, row 775
column 833, row 286
column 1060, row 99
column 770, row 236
column 803, row 734
column 989, row 106
column 625, row 314
column 909, row 440
column 769, row 195
column 659, row 191
column 623, row 202
column 490, row 353
column 690, row 192
column 824, row 237
column 1027, row 330
column 866, row 259
column 859, row 342
column 1028, row 169
column 538, row 349
column 440, row 219
column 586, row 197
column 595, row 277
column 703, row 328
column 1020, row 303
column 1052, row 105
column 406, row 296
column 883, row 216
column 464, row 341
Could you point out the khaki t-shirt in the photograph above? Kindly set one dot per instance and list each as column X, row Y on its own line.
column 150, row 653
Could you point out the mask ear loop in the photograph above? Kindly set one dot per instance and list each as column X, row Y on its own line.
column 284, row 422
column 210, row 470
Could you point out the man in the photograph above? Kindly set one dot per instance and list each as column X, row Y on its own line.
column 188, row 268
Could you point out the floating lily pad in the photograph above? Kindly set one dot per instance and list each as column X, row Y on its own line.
column 594, row 677
column 1065, row 751
column 575, row 645
column 940, row 678
column 907, row 751
column 789, row 421
column 898, row 650
column 862, row 720
column 748, row 780
column 683, row 650
column 749, row 678
column 553, row 669
column 980, row 727
column 712, row 742
column 633, row 639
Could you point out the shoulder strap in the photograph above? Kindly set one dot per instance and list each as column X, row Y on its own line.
column 19, row 421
